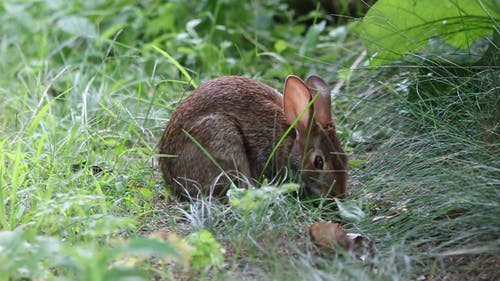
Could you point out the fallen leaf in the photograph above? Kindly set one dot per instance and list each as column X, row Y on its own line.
column 451, row 214
column 329, row 234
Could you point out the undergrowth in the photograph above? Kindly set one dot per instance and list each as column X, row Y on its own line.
column 84, row 98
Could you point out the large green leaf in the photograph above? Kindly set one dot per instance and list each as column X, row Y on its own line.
column 393, row 28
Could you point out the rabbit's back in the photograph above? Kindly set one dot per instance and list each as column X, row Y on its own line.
column 229, row 94
column 236, row 120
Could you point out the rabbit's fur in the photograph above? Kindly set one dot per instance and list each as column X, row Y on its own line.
column 238, row 121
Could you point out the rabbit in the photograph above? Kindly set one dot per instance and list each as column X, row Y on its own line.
column 226, row 129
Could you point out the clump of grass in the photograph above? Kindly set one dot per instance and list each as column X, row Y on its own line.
column 430, row 185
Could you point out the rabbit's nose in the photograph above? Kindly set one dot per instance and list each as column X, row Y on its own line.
column 313, row 187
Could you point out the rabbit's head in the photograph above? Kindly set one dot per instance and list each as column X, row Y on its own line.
column 316, row 152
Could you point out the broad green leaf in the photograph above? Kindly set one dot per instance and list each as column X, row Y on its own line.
column 77, row 25
column 20, row 13
column 350, row 211
column 393, row 28
column 150, row 247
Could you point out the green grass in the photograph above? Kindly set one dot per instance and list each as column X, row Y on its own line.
column 84, row 99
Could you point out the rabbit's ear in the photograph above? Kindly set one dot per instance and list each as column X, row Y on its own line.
column 296, row 97
column 322, row 104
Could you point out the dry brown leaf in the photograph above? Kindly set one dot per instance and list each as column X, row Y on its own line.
column 329, row 234
column 451, row 214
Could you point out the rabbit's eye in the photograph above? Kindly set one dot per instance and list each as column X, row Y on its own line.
column 318, row 162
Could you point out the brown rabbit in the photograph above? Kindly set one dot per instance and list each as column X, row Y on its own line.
column 237, row 122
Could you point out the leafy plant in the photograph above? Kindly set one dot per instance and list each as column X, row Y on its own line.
column 252, row 200
column 392, row 28
column 207, row 251
column 25, row 254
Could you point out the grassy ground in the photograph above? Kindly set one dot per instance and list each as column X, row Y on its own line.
column 85, row 95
